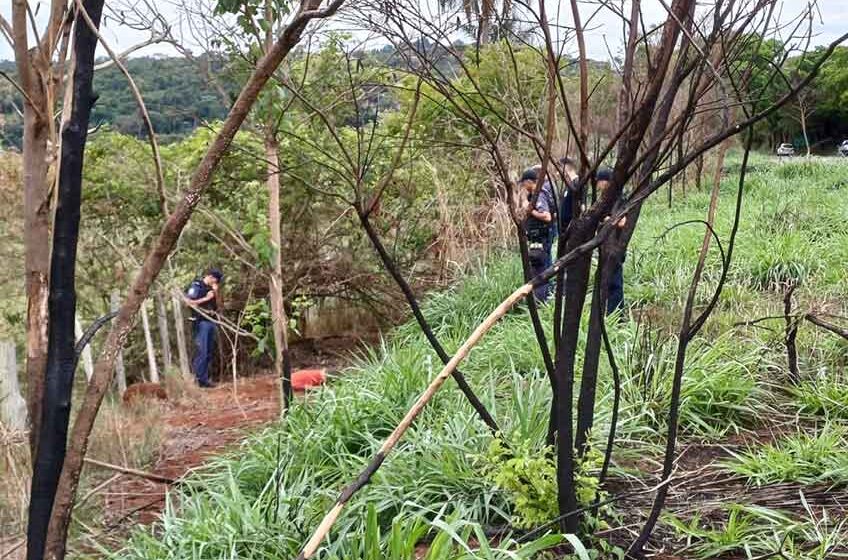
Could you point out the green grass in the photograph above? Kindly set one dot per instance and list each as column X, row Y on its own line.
column 259, row 501
column 720, row 391
column 824, row 395
column 808, row 457
column 746, row 531
column 263, row 500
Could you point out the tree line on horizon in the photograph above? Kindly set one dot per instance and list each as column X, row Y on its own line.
column 180, row 99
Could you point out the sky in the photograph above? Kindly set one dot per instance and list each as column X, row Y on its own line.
column 603, row 33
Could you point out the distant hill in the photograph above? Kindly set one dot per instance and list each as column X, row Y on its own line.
column 177, row 96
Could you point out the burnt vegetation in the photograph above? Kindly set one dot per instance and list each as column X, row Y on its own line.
column 370, row 176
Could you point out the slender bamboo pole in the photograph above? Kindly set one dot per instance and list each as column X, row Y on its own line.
column 148, row 342
column 120, row 372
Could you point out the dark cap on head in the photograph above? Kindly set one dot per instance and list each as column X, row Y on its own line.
column 531, row 174
column 216, row 273
column 604, row 174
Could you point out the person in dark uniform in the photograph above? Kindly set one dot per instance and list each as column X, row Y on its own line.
column 615, row 285
column 538, row 227
column 570, row 192
column 202, row 297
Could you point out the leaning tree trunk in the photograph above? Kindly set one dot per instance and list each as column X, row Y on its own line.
column 423, row 324
column 61, row 355
column 155, row 261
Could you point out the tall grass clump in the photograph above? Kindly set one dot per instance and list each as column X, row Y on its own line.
column 455, row 311
column 823, row 395
column 818, row 456
column 720, row 393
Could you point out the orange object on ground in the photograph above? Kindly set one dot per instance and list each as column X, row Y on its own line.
column 306, row 378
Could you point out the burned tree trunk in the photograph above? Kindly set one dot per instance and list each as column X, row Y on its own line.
column 391, row 267
column 592, row 353
column 61, row 355
column 576, row 288
column 791, row 335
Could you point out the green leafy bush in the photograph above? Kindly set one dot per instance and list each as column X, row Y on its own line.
column 527, row 474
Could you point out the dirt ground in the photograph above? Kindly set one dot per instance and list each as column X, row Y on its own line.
column 205, row 423
column 195, row 429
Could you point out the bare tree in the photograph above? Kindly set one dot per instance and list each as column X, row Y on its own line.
column 696, row 62
column 104, row 368
column 40, row 86
column 279, row 320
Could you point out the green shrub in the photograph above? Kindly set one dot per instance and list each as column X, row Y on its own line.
column 528, row 476
column 527, row 473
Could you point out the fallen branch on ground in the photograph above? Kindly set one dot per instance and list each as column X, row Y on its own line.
column 134, row 472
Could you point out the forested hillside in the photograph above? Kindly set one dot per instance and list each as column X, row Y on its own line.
column 178, row 97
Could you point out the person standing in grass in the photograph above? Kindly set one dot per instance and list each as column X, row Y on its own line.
column 538, row 226
column 569, row 192
column 615, row 284
column 203, row 297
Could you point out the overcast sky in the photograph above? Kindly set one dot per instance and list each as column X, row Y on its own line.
column 603, row 34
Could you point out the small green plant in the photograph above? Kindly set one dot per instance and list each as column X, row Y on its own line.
column 528, row 475
column 257, row 321
column 298, row 306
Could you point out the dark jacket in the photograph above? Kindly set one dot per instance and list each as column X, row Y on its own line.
column 196, row 290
